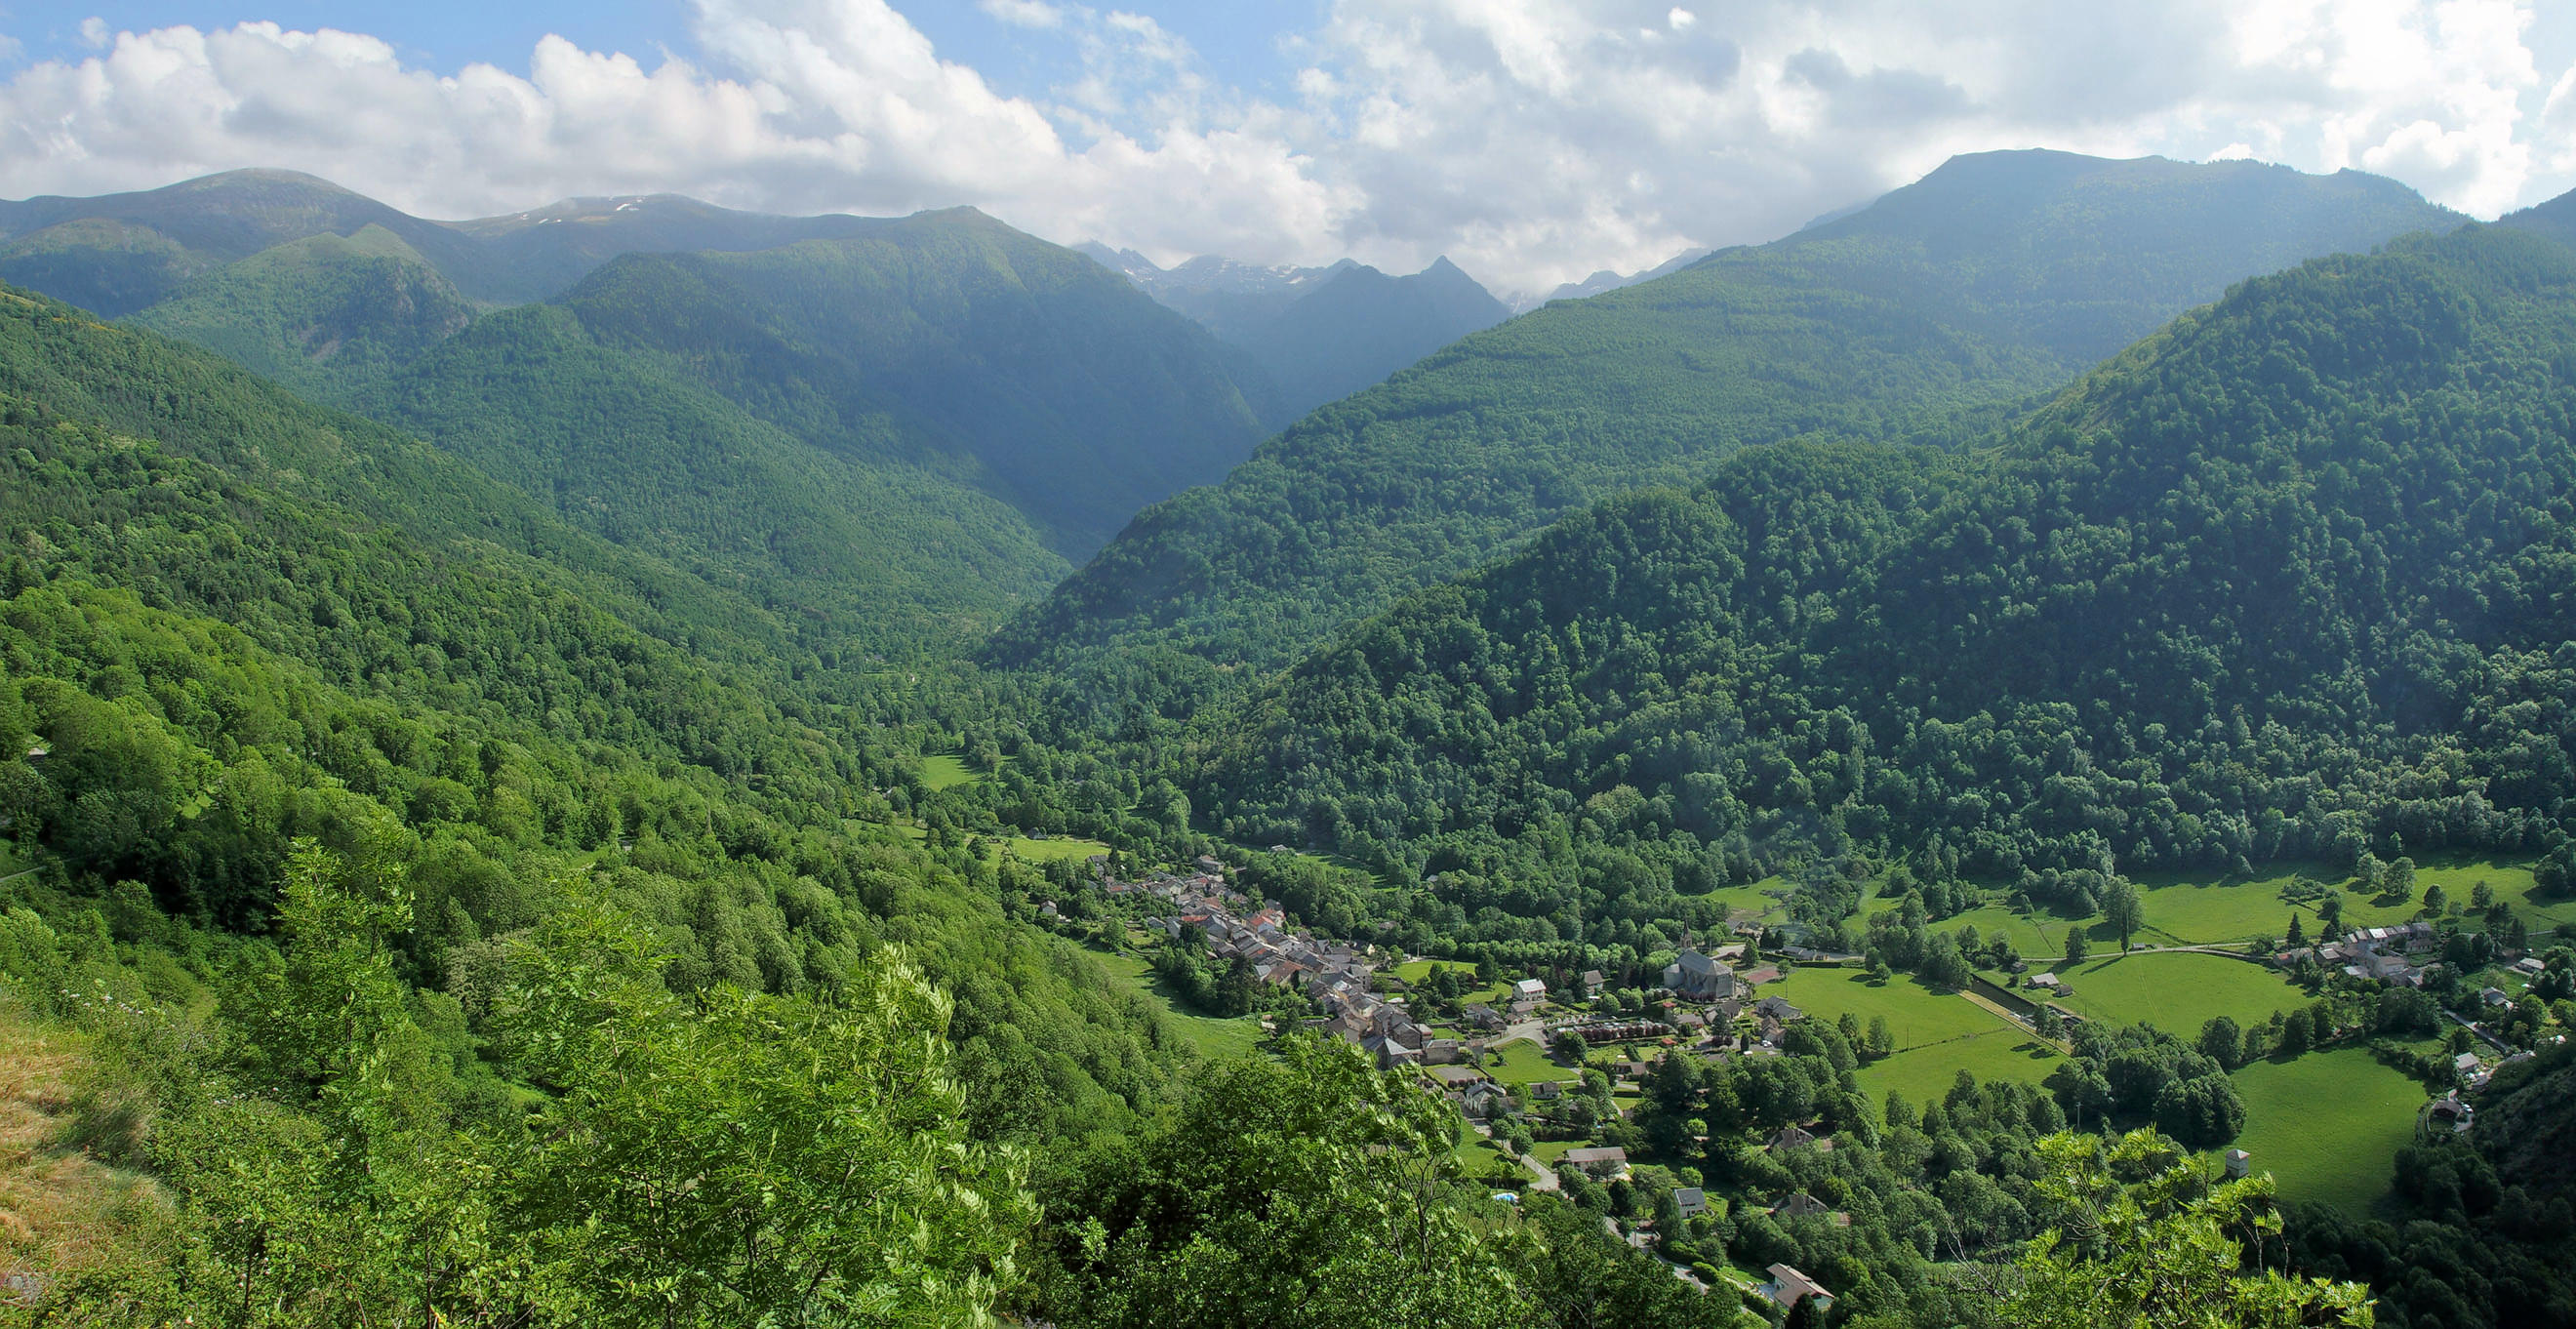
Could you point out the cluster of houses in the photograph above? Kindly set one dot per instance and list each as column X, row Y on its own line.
column 2384, row 954
column 1335, row 974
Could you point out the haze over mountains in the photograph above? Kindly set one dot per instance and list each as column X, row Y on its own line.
column 892, row 424
column 1997, row 276
column 1321, row 334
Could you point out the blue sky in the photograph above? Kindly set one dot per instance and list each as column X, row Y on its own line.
column 1238, row 40
column 1533, row 141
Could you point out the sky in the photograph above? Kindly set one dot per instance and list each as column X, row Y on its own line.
column 1531, row 141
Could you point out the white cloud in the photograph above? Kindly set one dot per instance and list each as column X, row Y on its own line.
column 1024, row 13
column 1533, row 140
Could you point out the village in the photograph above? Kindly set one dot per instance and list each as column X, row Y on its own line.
column 1519, row 1058
column 1549, row 1068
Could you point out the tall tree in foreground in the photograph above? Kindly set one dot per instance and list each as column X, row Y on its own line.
column 1311, row 1190
column 2144, row 1240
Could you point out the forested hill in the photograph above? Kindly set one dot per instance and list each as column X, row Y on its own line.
column 229, row 619
column 1997, row 277
column 947, row 339
column 119, row 253
column 2290, row 578
column 889, row 440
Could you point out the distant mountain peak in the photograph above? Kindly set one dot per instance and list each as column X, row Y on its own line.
column 1608, row 280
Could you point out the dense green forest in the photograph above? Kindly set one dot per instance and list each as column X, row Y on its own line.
column 444, row 946
column 1996, row 277
column 498, row 879
column 2288, row 580
column 890, row 440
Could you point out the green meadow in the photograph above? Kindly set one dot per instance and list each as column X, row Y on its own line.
column 1525, row 1062
column 2177, row 991
column 1212, row 1038
column 1938, row 1034
column 1926, row 1073
column 2326, row 1125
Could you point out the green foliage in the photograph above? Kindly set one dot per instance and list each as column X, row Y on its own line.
column 321, row 315
column 2010, row 663
column 2141, row 1238
column 1310, row 1190
column 1992, row 279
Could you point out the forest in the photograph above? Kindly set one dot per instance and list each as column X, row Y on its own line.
column 2251, row 592
column 593, row 860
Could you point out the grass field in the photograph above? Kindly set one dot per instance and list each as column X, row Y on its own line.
column 1525, row 1062
column 947, row 770
column 1021, row 847
column 2039, row 935
column 1938, row 1034
column 2187, row 909
column 1050, row 849
column 1997, row 1053
column 1917, row 1015
column 2326, row 1125
column 1751, row 899
column 1414, row 971
column 2177, row 991
column 1212, row 1038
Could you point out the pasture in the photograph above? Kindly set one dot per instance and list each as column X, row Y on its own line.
column 2000, row 1052
column 1212, row 1038
column 1052, row 849
column 1916, row 1014
column 2177, row 991
column 947, row 770
column 1525, row 1062
column 1938, row 1034
column 2326, row 1125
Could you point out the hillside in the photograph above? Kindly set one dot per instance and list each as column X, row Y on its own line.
column 1995, row 278
column 2287, row 580
column 848, row 546
column 330, row 316
column 1318, row 334
column 946, row 339
column 231, row 619
column 119, row 253
column 886, row 442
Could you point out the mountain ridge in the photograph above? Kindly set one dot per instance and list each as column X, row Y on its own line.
column 1856, row 326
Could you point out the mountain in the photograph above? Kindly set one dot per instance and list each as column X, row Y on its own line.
column 119, row 253
column 2555, row 219
column 1606, row 280
column 895, row 429
column 946, row 339
column 1996, row 277
column 1320, row 334
column 324, row 315
column 237, row 619
column 2287, row 580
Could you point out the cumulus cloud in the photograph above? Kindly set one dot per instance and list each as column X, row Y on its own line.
column 1533, row 140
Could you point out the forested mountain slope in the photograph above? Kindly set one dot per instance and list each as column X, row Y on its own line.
column 946, row 339
column 887, row 441
column 119, row 253
column 229, row 619
column 425, row 940
column 1996, row 277
column 2290, row 578
column 330, row 316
